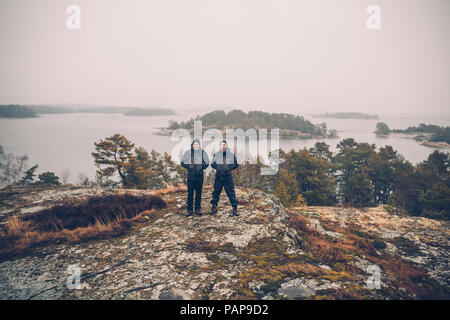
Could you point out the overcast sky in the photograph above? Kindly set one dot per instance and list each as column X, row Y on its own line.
column 275, row 55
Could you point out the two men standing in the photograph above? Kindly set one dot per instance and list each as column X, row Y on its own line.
column 196, row 160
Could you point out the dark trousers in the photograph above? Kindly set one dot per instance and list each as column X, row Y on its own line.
column 194, row 185
column 227, row 183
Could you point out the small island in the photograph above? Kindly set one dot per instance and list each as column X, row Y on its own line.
column 16, row 111
column 290, row 126
column 382, row 129
column 429, row 134
column 347, row 115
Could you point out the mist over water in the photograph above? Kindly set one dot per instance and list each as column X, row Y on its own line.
column 298, row 57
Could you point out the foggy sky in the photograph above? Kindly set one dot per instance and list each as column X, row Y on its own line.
column 274, row 55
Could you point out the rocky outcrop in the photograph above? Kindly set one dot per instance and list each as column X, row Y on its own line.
column 268, row 252
column 440, row 145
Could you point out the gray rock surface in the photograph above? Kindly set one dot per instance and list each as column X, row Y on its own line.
column 258, row 255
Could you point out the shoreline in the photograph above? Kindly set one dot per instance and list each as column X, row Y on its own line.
column 437, row 144
column 284, row 134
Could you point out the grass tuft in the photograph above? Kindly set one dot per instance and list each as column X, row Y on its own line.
column 94, row 217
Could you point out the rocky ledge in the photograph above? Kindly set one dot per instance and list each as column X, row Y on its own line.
column 268, row 252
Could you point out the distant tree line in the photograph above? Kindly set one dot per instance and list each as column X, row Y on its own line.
column 16, row 111
column 26, row 111
column 44, row 109
column 438, row 134
column 149, row 112
column 443, row 134
column 348, row 115
column 422, row 128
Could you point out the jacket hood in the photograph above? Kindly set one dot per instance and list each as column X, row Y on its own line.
column 196, row 140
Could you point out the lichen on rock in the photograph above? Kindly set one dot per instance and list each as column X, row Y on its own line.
column 268, row 252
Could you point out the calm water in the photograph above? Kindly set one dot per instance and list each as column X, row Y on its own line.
column 65, row 141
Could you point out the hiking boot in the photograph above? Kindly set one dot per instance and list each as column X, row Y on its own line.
column 213, row 209
column 198, row 212
column 189, row 213
column 234, row 212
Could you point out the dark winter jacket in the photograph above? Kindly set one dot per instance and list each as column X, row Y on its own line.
column 195, row 161
column 224, row 163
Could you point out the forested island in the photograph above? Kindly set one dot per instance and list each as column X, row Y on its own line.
column 431, row 135
column 347, row 115
column 291, row 126
column 16, row 111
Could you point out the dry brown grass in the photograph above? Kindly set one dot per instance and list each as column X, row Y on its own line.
column 92, row 218
column 169, row 190
column 355, row 241
column 16, row 226
column 323, row 249
column 159, row 192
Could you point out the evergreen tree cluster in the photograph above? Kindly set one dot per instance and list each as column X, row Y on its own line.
column 135, row 167
column 438, row 134
column 16, row 111
column 357, row 175
column 254, row 119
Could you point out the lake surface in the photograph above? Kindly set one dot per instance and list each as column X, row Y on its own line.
column 61, row 142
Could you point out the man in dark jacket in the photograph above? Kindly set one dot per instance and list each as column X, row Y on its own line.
column 195, row 160
column 224, row 161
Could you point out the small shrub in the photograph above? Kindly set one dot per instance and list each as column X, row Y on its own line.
column 379, row 245
column 48, row 178
column 106, row 209
column 88, row 219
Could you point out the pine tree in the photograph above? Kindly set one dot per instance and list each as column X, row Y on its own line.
column 282, row 194
column 29, row 175
column 313, row 172
column 287, row 190
column 114, row 152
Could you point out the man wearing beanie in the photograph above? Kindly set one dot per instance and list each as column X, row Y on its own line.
column 195, row 161
column 224, row 161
